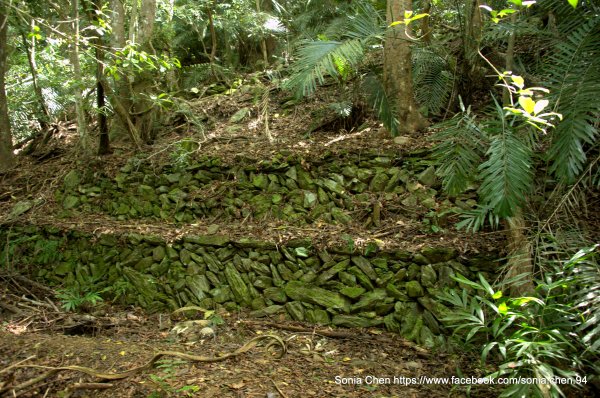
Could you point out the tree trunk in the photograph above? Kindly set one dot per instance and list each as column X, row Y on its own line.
column 143, row 111
column 510, row 60
column 397, row 69
column 519, row 258
column 104, row 138
column 425, row 28
column 43, row 115
column 263, row 42
column 6, row 145
column 84, row 143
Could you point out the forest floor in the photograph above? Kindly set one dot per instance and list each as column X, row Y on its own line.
column 318, row 362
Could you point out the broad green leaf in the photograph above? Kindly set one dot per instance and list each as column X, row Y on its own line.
column 497, row 295
column 573, row 3
column 527, row 104
column 518, row 81
column 502, row 308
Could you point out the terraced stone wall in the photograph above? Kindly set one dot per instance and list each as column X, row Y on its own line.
column 333, row 189
column 395, row 290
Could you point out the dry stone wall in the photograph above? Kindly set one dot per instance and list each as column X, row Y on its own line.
column 393, row 290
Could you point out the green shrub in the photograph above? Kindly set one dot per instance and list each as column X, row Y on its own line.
column 552, row 334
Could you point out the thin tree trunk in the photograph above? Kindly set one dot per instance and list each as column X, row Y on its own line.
column 143, row 111
column 510, row 59
column 263, row 42
column 104, row 138
column 79, row 108
column 425, row 28
column 133, row 22
column 397, row 69
column 43, row 113
column 213, row 38
column 6, row 145
column 519, row 259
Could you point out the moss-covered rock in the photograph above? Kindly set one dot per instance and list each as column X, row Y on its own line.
column 365, row 266
column 352, row 292
column 296, row 310
column 318, row 316
column 428, row 276
column 238, row 287
column 369, row 300
column 311, row 294
column 414, row 289
column 330, row 272
column 438, row 254
column 355, row 321
column 275, row 294
column 208, row 240
column 267, row 311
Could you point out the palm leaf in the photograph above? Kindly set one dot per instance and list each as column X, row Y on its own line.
column 507, row 175
column 317, row 59
column 433, row 79
column 575, row 82
column 381, row 103
column 459, row 151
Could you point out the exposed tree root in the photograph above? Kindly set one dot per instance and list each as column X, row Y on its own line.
column 273, row 341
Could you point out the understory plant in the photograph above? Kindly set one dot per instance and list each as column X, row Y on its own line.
column 542, row 341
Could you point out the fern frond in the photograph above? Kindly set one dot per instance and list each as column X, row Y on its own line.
column 381, row 103
column 317, row 59
column 507, row 175
column 575, row 83
column 459, row 151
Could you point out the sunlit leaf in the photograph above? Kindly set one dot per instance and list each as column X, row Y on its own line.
column 539, row 106
column 518, row 81
column 527, row 104
column 502, row 308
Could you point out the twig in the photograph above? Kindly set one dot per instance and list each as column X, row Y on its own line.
column 92, row 386
column 14, row 365
column 30, row 382
column 278, row 389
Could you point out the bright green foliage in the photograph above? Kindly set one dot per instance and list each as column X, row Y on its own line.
column 168, row 376
column 539, row 336
column 75, row 298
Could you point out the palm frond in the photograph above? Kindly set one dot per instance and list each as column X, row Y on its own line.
column 459, row 151
column 432, row 78
column 381, row 103
column 507, row 175
column 317, row 59
column 366, row 23
column 575, row 82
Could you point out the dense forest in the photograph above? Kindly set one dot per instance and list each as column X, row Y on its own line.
column 387, row 198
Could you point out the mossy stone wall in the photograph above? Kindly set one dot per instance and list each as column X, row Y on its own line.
column 395, row 290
